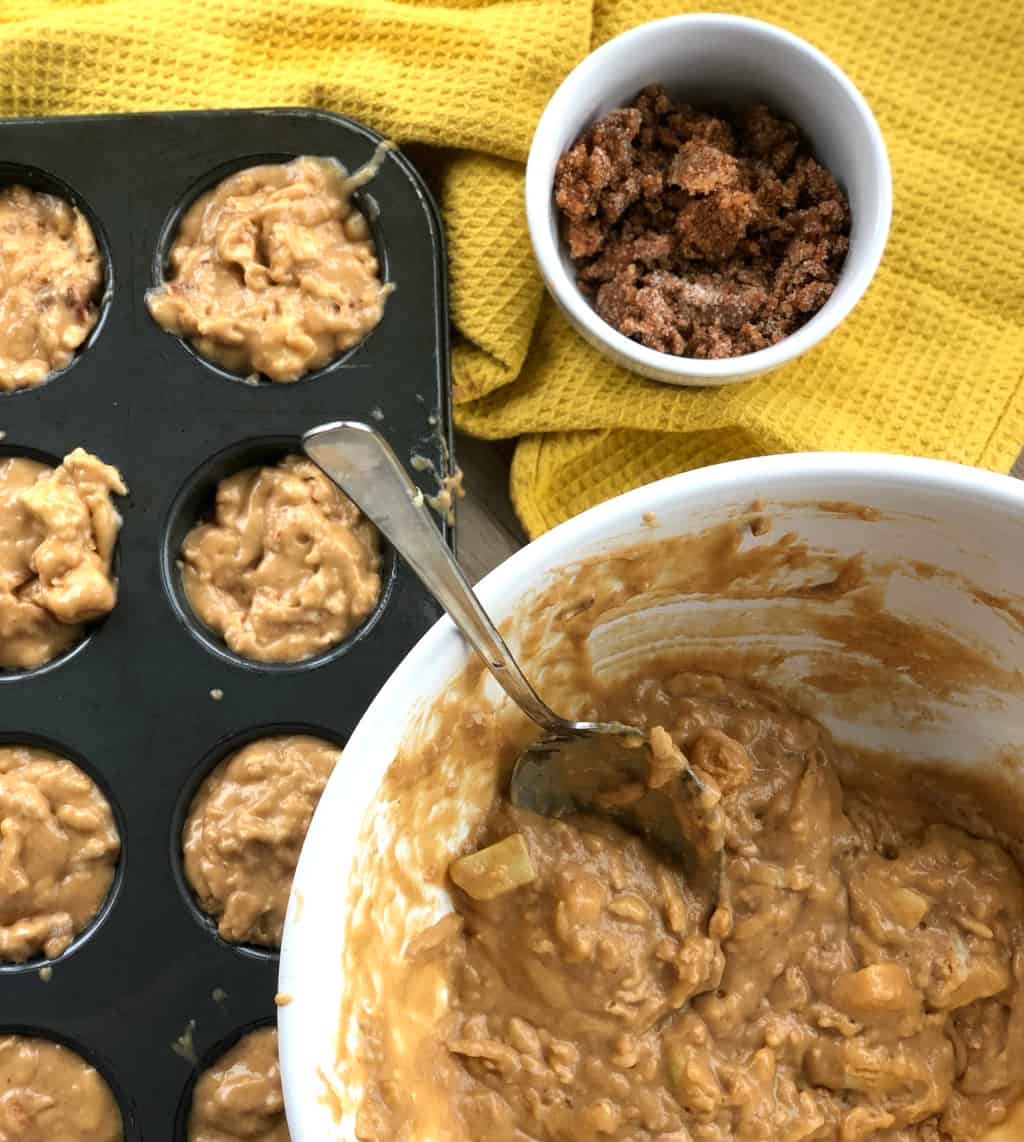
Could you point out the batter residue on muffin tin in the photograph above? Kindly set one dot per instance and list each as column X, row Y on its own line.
column 860, row 977
column 288, row 566
column 274, row 271
column 51, row 281
column 58, row 530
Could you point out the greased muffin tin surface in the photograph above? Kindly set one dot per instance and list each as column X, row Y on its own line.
column 132, row 704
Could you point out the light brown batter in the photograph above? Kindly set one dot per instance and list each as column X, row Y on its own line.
column 59, row 848
column 273, row 271
column 58, row 530
column 51, row 281
column 287, row 568
column 244, row 830
column 240, row 1097
column 48, row 1093
column 860, row 978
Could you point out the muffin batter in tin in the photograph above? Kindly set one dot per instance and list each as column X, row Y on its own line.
column 244, row 830
column 58, row 530
column 274, row 272
column 48, row 1093
column 288, row 566
column 51, row 282
column 59, row 848
column 239, row 1097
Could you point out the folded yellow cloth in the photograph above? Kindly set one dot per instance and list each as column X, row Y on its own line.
column 931, row 362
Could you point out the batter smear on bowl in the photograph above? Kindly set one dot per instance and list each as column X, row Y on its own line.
column 48, row 1093
column 51, row 282
column 274, row 271
column 287, row 567
column 245, row 827
column 59, row 849
column 697, row 234
column 58, row 531
column 239, row 1097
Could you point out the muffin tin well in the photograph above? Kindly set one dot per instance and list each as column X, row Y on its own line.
column 91, row 629
column 135, row 699
column 129, row 1116
column 363, row 199
column 194, row 504
column 39, row 179
column 206, row 766
column 208, row 1059
column 97, row 776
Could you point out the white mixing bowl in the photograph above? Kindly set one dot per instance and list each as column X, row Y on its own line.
column 965, row 522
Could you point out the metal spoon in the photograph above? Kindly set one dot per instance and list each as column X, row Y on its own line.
column 597, row 767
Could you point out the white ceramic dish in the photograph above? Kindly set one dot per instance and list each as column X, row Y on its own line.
column 728, row 61
column 964, row 521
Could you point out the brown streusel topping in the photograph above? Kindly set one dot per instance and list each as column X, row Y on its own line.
column 698, row 235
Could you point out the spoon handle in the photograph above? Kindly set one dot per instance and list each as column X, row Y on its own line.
column 361, row 462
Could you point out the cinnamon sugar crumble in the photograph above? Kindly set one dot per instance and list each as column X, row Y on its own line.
column 699, row 235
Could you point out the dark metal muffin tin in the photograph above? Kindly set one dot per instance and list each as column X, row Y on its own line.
column 132, row 704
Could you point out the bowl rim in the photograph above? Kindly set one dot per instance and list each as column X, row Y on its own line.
column 539, row 206
column 442, row 651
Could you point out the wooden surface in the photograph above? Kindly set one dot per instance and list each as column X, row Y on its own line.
column 488, row 531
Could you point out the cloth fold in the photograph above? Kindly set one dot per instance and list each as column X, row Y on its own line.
column 930, row 362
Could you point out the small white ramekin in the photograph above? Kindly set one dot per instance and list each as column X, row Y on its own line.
column 719, row 62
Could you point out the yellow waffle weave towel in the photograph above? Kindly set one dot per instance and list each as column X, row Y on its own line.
column 931, row 362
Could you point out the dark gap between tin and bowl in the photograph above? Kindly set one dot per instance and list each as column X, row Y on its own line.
column 206, row 1060
column 90, row 629
column 38, row 741
column 224, row 749
column 194, row 504
column 125, row 1105
column 364, row 202
column 35, row 178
